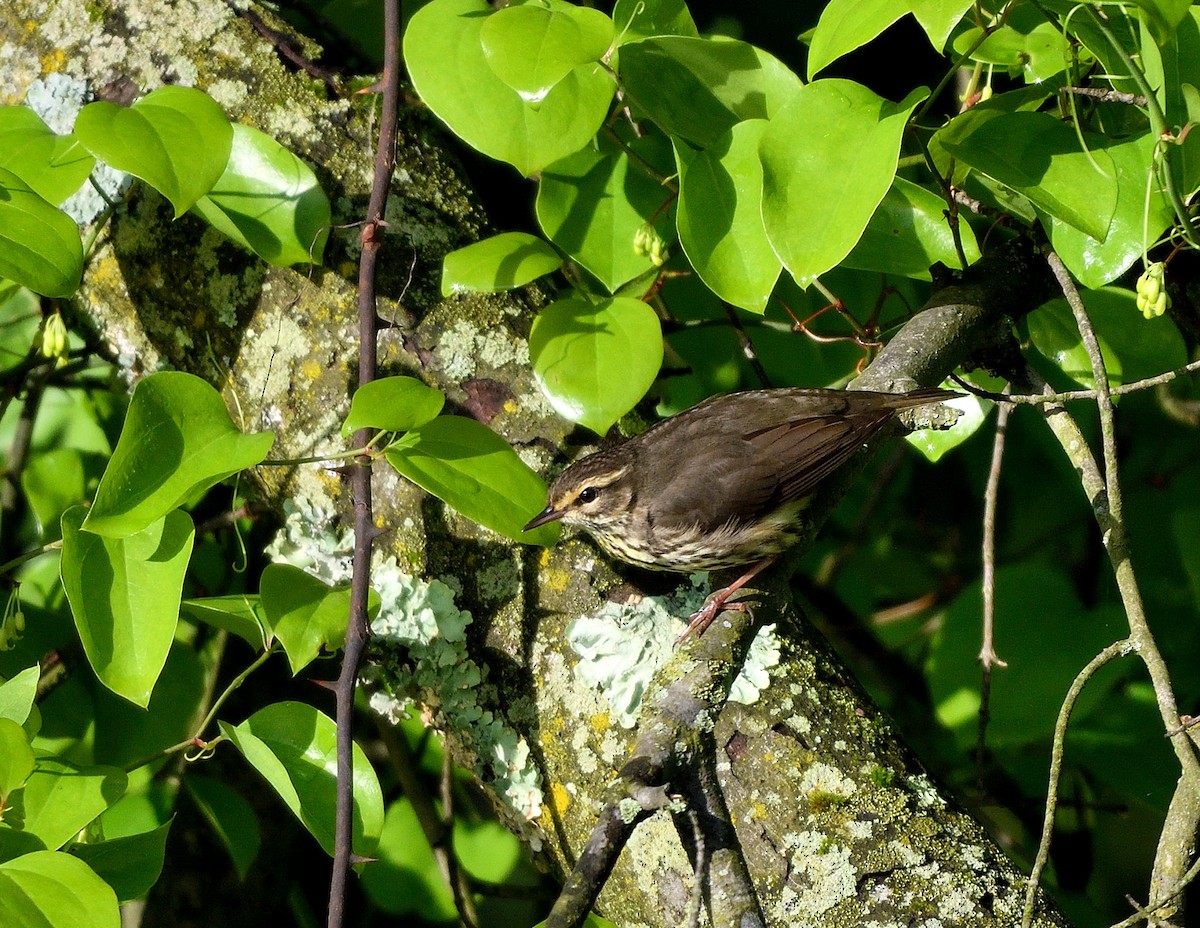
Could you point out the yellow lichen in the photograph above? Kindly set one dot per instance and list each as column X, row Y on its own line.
column 558, row 799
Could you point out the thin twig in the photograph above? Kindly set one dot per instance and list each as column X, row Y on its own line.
column 196, row 739
column 988, row 658
column 1105, row 95
column 1112, row 652
column 1050, row 397
column 747, row 346
column 12, row 500
column 365, row 531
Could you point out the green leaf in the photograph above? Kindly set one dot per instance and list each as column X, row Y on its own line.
column 1094, row 263
column 176, row 139
column 17, row 694
column 54, row 166
column 178, row 441
column 306, row 614
column 20, row 320
column 406, row 879
column 1134, row 346
column 486, row 849
column 15, row 843
column 1039, row 157
column 295, row 748
column 124, row 595
column 444, row 54
column 1026, row 44
column 468, row 466
column 938, row 18
column 239, row 614
column 1054, row 334
column 46, row 889
column 720, row 217
column 268, row 201
column 1045, row 648
column 698, row 89
column 54, row 482
column 637, row 19
column 394, row 404
column 592, row 203
column 511, row 259
column 849, row 24
column 60, row 799
column 16, row 759
column 1163, row 17
column 531, row 48
column 126, row 734
column 595, row 361
column 130, row 865
column 828, row 160
column 39, row 245
column 908, row 233
column 231, row 817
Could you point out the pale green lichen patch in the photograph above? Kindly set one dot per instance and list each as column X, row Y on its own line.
column 821, row 877
column 827, row 779
column 622, row 645
column 629, row 810
column 463, row 347
column 498, row 580
column 420, row 639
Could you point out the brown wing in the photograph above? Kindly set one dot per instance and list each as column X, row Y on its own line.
column 806, row 451
column 704, row 472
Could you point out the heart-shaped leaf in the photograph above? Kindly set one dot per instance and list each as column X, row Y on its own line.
column 511, row 259
column 445, row 59
column 54, row 166
column 306, row 614
column 178, row 440
column 295, row 748
column 269, row 201
column 55, row 890
column 829, row 157
column 394, row 404
column 124, row 594
column 39, row 245
column 468, row 466
column 531, row 48
column 720, row 217
column 595, row 361
column 176, row 139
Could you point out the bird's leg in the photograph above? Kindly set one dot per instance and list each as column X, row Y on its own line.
column 701, row 619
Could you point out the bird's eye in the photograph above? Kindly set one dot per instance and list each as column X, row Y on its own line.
column 588, row 495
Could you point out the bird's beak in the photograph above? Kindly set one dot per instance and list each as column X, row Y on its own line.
column 549, row 514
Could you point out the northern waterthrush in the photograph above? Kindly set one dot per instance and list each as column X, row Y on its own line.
column 721, row 484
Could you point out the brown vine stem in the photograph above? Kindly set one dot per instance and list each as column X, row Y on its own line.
column 365, row 531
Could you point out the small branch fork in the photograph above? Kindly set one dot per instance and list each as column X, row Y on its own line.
column 1102, row 486
column 673, row 766
column 365, row 532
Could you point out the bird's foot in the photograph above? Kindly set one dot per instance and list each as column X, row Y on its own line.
column 703, row 617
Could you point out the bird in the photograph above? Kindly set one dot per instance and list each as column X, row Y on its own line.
column 721, row 484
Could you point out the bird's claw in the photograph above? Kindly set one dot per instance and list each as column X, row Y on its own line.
column 704, row 616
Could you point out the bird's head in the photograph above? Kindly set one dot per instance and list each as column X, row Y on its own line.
column 596, row 493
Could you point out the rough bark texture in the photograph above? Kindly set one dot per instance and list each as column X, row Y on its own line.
column 839, row 823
